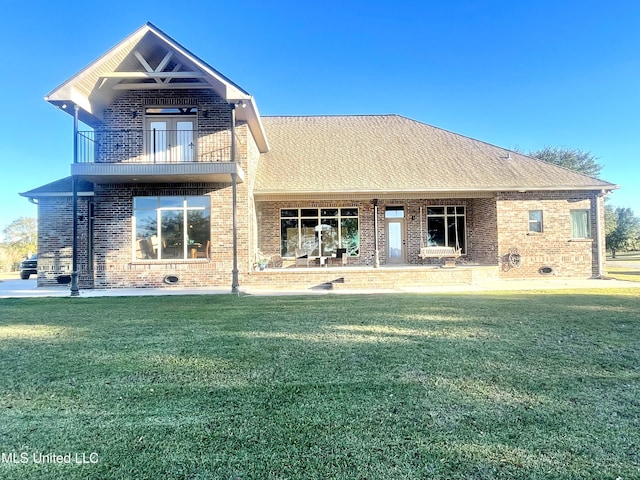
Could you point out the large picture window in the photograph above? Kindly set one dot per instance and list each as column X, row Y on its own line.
column 171, row 227
column 319, row 231
column 446, row 227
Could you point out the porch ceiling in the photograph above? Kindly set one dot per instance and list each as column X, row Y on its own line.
column 103, row 173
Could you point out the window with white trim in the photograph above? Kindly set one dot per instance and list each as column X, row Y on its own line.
column 535, row 221
column 319, row 231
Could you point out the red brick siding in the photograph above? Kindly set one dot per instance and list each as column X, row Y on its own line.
column 553, row 247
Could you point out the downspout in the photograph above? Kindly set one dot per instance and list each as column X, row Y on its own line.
column 235, row 283
column 75, row 292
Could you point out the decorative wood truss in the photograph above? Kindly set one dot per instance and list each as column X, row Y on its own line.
column 166, row 75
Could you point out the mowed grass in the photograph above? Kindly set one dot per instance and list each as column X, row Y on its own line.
column 626, row 266
column 508, row 385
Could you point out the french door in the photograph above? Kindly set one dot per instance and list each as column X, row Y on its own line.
column 170, row 139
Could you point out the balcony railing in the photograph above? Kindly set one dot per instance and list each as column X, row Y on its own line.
column 154, row 146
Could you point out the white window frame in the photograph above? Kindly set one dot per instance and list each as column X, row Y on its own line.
column 533, row 222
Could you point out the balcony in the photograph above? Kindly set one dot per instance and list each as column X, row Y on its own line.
column 155, row 156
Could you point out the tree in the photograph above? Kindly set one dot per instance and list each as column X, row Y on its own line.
column 21, row 236
column 572, row 158
column 626, row 233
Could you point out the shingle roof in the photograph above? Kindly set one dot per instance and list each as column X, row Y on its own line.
column 391, row 153
column 60, row 188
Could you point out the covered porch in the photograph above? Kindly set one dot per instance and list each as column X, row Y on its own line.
column 381, row 232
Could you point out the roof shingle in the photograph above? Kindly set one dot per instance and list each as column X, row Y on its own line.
column 391, row 153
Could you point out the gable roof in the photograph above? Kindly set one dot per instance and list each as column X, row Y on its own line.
column 391, row 154
column 151, row 60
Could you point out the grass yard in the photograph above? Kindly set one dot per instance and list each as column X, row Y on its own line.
column 626, row 266
column 494, row 386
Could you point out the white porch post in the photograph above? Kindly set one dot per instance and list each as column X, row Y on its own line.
column 235, row 282
column 598, row 208
column 376, row 254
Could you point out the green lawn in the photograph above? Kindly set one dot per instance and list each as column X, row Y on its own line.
column 507, row 385
column 626, row 266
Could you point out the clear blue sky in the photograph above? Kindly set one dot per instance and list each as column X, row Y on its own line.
column 520, row 75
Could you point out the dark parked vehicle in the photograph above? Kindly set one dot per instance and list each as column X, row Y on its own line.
column 28, row 267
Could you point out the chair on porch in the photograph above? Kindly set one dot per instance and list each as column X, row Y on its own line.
column 204, row 253
column 302, row 258
column 341, row 257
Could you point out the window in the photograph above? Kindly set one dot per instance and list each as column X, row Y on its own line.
column 319, row 231
column 171, row 227
column 580, row 227
column 446, row 226
column 394, row 212
column 535, row 221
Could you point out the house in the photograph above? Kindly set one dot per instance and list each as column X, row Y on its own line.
column 177, row 178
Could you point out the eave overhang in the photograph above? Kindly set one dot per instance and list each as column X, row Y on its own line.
column 106, row 173
column 148, row 59
column 272, row 195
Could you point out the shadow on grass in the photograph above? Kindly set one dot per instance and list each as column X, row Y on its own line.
column 398, row 386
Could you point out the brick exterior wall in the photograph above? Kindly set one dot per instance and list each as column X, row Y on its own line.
column 55, row 240
column 481, row 233
column 493, row 225
column 554, row 247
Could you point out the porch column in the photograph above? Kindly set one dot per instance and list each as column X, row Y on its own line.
column 74, row 189
column 376, row 253
column 235, row 282
column 599, row 250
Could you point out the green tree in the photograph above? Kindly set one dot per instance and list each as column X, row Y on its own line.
column 572, row 158
column 626, row 233
column 610, row 219
column 21, row 236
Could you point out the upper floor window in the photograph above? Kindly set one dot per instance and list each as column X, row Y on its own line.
column 171, row 227
column 171, row 111
column 535, row 221
column 580, row 226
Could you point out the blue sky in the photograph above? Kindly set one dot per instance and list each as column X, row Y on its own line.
column 520, row 75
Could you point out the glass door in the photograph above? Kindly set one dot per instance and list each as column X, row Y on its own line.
column 395, row 241
column 170, row 139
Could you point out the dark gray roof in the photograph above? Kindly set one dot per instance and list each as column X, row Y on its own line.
column 60, row 188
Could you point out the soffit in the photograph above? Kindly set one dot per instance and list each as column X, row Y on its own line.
column 148, row 59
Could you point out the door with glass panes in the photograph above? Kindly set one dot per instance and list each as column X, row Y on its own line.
column 170, row 138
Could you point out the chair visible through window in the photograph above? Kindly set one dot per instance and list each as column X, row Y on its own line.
column 302, row 258
column 206, row 252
